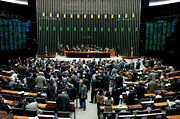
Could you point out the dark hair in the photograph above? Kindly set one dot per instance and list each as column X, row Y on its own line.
column 101, row 91
column 108, row 95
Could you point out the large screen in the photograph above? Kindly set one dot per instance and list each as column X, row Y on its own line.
column 157, row 32
column 14, row 34
column 161, row 2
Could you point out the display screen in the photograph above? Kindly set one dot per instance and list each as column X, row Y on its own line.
column 14, row 34
column 161, row 2
column 157, row 32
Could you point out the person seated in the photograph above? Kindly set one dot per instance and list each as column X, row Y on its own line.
column 108, row 102
column 4, row 106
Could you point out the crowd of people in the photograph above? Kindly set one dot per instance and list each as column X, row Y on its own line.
column 66, row 81
column 82, row 48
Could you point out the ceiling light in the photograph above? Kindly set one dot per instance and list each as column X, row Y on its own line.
column 163, row 2
column 16, row 2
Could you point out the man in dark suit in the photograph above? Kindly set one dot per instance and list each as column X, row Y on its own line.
column 134, row 75
column 63, row 101
column 140, row 90
column 31, row 82
column 131, row 97
column 106, row 81
column 4, row 106
column 115, row 95
column 117, row 51
column 94, row 88
column 51, row 91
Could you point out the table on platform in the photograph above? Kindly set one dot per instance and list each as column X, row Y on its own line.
column 88, row 54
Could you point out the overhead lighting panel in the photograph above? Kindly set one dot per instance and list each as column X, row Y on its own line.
column 162, row 2
column 22, row 2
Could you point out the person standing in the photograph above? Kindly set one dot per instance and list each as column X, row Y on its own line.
column 151, row 86
column 117, row 50
column 31, row 82
column 100, row 100
column 131, row 96
column 162, row 80
column 115, row 94
column 41, row 81
column 140, row 90
column 63, row 101
column 83, row 95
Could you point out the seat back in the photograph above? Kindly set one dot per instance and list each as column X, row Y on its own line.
column 171, row 111
column 178, row 97
column 168, row 98
column 18, row 111
column 30, row 99
column 124, row 113
column 109, row 115
column 31, row 113
column 41, row 100
column 16, row 97
column 36, row 90
column 48, row 112
column 63, row 114
column 142, row 112
column 157, row 100
column 155, row 111
column 7, row 96
column 26, row 89
column 17, row 88
column 145, row 99
column 6, row 87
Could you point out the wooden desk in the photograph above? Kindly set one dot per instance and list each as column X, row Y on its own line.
column 162, row 104
column 10, row 102
column 178, row 77
column 116, row 107
column 88, row 54
column 134, row 106
column 5, row 77
column 173, row 117
column 171, row 93
column 149, row 94
column 21, row 117
column 17, row 92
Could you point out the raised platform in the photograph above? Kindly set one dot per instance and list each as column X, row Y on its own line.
column 130, row 57
column 75, row 54
column 48, row 56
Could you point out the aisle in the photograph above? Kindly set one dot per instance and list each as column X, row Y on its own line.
column 91, row 110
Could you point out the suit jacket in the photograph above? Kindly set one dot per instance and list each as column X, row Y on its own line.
column 63, row 102
column 131, row 97
column 151, row 87
column 41, row 81
column 83, row 92
column 140, row 91
column 31, row 82
column 115, row 95
column 33, row 106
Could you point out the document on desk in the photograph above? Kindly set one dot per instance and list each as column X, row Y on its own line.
column 22, row 92
column 26, row 93
column 121, row 106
